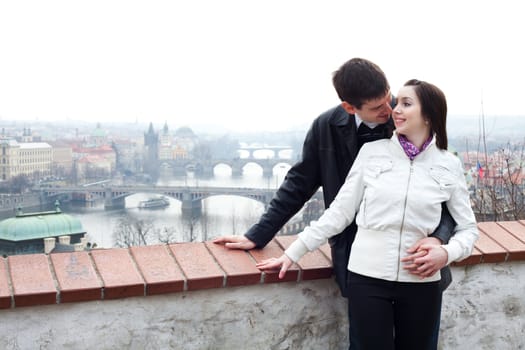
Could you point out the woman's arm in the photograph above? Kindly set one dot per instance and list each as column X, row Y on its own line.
column 466, row 233
column 338, row 216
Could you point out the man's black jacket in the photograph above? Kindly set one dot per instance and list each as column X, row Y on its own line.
column 329, row 150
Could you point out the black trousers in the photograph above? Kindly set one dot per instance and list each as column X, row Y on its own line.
column 386, row 315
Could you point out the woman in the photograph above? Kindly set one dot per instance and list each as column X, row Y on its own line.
column 396, row 188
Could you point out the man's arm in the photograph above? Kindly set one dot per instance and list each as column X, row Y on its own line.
column 299, row 185
column 445, row 230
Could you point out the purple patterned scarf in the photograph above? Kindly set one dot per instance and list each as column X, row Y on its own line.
column 409, row 148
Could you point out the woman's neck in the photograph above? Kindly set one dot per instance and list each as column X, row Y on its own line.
column 418, row 140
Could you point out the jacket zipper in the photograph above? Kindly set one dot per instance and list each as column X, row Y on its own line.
column 403, row 220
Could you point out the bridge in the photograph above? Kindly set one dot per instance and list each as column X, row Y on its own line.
column 205, row 167
column 191, row 197
column 251, row 149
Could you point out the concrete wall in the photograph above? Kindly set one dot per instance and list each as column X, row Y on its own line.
column 306, row 315
column 483, row 309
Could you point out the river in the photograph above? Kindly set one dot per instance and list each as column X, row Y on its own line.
column 221, row 215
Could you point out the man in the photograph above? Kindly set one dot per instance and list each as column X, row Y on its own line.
column 329, row 150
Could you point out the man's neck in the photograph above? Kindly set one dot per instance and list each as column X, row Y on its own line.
column 358, row 122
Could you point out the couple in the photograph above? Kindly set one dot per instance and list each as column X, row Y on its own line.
column 399, row 211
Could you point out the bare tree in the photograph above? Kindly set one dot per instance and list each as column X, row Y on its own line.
column 512, row 191
column 204, row 221
column 190, row 225
column 167, row 235
column 131, row 231
column 17, row 184
column 246, row 220
column 499, row 192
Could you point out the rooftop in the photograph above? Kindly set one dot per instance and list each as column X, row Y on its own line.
column 33, row 145
column 30, row 226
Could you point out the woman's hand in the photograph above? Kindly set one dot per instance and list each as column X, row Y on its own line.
column 426, row 258
column 272, row 264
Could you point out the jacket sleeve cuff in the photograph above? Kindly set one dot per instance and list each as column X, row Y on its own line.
column 257, row 237
column 296, row 250
column 454, row 252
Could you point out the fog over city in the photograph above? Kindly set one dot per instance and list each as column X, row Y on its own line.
column 135, row 93
column 247, row 66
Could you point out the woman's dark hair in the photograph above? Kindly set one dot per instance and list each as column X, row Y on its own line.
column 433, row 108
column 359, row 80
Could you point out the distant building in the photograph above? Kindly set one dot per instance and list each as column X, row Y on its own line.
column 151, row 152
column 94, row 158
column 165, row 144
column 129, row 155
column 186, row 140
column 33, row 159
column 162, row 147
column 9, row 201
column 98, row 137
column 62, row 159
column 180, row 152
column 27, row 135
column 41, row 232
column 94, row 166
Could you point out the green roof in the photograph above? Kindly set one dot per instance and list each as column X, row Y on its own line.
column 39, row 225
column 99, row 132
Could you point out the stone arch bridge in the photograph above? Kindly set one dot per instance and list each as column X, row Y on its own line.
column 205, row 167
column 191, row 197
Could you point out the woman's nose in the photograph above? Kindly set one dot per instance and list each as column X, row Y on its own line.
column 395, row 109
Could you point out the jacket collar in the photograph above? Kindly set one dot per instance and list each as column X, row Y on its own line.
column 341, row 118
column 399, row 147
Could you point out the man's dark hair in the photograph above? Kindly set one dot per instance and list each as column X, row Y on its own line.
column 359, row 80
column 433, row 108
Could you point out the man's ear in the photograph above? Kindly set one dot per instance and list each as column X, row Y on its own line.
column 350, row 109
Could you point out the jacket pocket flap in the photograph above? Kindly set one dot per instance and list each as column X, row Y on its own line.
column 444, row 177
column 375, row 167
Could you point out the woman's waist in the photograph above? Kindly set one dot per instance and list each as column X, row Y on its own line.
column 378, row 253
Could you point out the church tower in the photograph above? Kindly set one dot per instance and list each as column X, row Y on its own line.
column 151, row 153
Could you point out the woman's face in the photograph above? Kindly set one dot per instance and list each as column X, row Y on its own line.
column 407, row 114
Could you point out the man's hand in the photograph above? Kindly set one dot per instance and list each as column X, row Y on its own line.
column 426, row 257
column 272, row 264
column 235, row 242
column 424, row 241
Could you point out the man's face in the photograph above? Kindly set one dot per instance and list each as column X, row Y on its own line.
column 376, row 110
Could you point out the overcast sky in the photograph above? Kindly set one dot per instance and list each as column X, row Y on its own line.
column 248, row 65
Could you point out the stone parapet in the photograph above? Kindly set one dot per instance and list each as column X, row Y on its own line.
column 202, row 296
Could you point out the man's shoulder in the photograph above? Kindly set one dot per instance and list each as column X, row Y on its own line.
column 334, row 116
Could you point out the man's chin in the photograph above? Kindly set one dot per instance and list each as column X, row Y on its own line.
column 383, row 120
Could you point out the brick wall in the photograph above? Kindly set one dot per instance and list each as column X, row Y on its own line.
column 105, row 278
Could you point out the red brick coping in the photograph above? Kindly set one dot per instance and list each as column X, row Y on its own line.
column 40, row 279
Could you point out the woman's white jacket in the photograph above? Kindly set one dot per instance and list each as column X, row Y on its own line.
column 398, row 202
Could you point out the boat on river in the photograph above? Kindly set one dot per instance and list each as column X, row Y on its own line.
column 153, row 203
